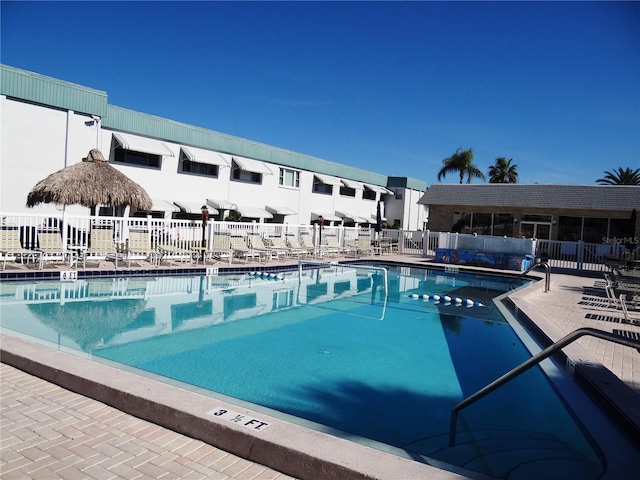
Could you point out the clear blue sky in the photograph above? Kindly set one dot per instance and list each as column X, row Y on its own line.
column 389, row 87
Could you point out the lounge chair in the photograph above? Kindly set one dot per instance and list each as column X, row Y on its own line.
column 239, row 248
column 172, row 252
column 261, row 249
column 10, row 245
column 101, row 245
column 332, row 245
column 280, row 247
column 307, row 240
column 296, row 247
column 364, row 245
column 140, row 246
column 220, row 247
column 50, row 247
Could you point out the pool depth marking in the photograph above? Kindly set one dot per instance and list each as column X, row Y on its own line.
column 239, row 418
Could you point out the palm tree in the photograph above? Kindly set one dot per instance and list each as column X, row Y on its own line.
column 621, row 177
column 462, row 162
column 503, row 171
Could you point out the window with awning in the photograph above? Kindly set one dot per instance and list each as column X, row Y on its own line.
column 324, row 183
column 142, row 145
column 201, row 162
column 329, row 217
column 247, row 170
column 145, row 152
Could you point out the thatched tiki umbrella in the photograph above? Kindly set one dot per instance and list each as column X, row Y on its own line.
column 90, row 183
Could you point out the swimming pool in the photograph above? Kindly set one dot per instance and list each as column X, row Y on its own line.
column 330, row 348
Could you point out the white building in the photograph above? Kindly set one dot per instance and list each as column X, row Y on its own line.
column 47, row 124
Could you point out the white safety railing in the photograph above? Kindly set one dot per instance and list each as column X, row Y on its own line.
column 185, row 234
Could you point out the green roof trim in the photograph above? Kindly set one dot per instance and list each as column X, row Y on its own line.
column 45, row 90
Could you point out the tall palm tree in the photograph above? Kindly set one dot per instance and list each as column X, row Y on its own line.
column 621, row 177
column 461, row 162
column 503, row 171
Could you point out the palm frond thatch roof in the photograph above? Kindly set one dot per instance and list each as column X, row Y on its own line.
column 89, row 183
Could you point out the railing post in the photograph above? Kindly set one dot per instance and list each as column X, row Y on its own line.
column 580, row 255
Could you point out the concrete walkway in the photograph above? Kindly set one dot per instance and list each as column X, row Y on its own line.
column 49, row 432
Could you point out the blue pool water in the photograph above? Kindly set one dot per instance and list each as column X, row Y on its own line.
column 330, row 347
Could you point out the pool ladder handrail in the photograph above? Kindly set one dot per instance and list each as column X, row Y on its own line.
column 526, row 365
column 547, row 273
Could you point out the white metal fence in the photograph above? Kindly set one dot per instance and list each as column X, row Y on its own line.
column 184, row 234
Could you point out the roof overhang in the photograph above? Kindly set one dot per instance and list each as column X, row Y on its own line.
column 352, row 184
column 378, row 189
column 221, row 204
column 351, row 216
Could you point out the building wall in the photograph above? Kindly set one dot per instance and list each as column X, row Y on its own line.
column 35, row 142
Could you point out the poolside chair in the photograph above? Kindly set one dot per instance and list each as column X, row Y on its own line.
column 51, row 248
column 364, row 245
column 10, row 245
column 280, row 247
column 173, row 252
column 101, row 245
column 220, row 247
column 239, row 248
column 139, row 245
column 307, row 240
column 259, row 248
column 296, row 247
column 332, row 245
column 625, row 311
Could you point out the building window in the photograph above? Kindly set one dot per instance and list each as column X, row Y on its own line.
column 481, row 223
column 137, row 158
column 398, row 194
column 503, row 224
column 198, row 168
column 368, row 194
column 289, row 178
column 595, row 229
column 347, row 192
column 569, row 229
column 244, row 175
column 323, row 188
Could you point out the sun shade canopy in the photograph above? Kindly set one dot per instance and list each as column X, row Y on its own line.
column 193, row 207
column 253, row 212
column 353, row 184
column 351, row 216
column 277, row 210
column 205, row 156
column 254, row 166
column 378, row 189
column 328, row 180
column 328, row 216
column 221, row 204
column 164, row 206
column 144, row 145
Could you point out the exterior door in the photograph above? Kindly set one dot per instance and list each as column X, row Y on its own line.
column 541, row 230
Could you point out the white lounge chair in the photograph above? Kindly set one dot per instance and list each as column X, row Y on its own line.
column 101, row 245
column 221, row 247
column 10, row 245
column 51, row 248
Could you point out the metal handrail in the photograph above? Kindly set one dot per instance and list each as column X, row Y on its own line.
column 530, row 363
column 547, row 273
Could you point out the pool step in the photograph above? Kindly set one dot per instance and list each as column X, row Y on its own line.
column 512, row 455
